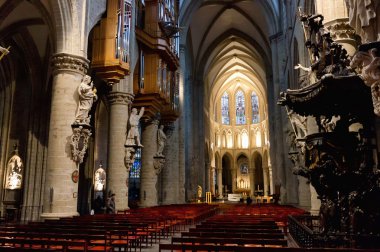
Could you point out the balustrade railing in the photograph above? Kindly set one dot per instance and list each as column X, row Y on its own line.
column 306, row 232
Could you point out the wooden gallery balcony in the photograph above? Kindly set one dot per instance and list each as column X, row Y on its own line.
column 156, row 82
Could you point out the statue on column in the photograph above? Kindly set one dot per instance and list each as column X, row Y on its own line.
column 87, row 96
column 133, row 136
column 81, row 126
column 161, row 138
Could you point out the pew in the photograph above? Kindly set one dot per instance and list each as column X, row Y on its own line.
column 230, row 241
column 217, row 248
column 228, row 235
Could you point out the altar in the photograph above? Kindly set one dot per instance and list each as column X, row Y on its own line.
column 234, row 197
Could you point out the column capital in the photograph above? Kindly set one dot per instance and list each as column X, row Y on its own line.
column 341, row 30
column 69, row 62
column 120, row 98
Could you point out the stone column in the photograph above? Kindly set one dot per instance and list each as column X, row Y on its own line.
column 252, row 181
column 271, row 190
column 212, row 182
column 336, row 22
column 171, row 172
column 60, row 195
column 344, row 34
column 148, row 177
column 118, row 175
column 207, row 174
column 304, row 197
column 233, row 178
column 220, row 182
column 266, row 185
column 315, row 202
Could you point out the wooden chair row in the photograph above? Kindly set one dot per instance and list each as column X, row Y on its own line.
column 223, row 248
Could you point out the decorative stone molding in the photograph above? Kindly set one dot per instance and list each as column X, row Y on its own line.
column 79, row 142
column 158, row 164
column 129, row 157
column 367, row 63
column 68, row 62
column 340, row 29
column 362, row 15
column 120, row 98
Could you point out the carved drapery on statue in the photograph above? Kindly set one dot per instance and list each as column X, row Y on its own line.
column 367, row 63
column 362, row 16
column 132, row 141
column 133, row 135
column 161, row 138
column 81, row 126
column 338, row 162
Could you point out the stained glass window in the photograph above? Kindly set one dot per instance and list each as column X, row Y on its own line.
column 225, row 109
column 240, row 107
column 136, row 167
column 244, row 169
column 255, row 108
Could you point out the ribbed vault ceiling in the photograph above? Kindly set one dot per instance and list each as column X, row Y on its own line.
column 230, row 41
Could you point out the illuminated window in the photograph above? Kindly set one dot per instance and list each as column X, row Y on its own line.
column 224, row 139
column 14, row 173
column 225, row 109
column 240, row 108
column 258, row 139
column 255, row 108
column 136, row 167
column 244, row 168
column 230, row 142
column 100, row 179
column 244, row 139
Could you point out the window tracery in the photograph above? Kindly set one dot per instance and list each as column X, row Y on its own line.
column 255, row 108
column 225, row 109
column 240, row 108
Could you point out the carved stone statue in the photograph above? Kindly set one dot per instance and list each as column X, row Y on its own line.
column 87, row 96
column 133, row 136
column 161, row 138
column 199, row 192
column 299, row 123
column 362, row 16
column 367, row 61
